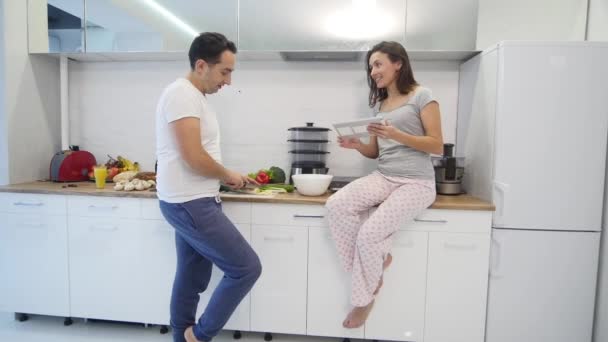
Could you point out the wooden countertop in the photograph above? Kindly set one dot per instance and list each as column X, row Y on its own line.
column 461, row 202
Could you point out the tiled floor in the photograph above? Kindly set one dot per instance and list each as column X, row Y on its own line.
column 51, row 329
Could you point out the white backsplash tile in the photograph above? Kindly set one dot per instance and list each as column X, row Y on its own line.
column 112, row 108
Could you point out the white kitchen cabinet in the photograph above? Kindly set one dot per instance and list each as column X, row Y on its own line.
column 300, row 215
column 328, row 288
column 540, row 20
column 104, row 207
column 318, row 25
column 240, row 318
column 115, row 271
column 398, row 312
column 34, row 204
column 278, row 299
column 121, row 258
column 155, row 269
column 456, row 287
column 34, row 263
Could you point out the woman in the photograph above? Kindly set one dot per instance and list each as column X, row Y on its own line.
column 401, row 187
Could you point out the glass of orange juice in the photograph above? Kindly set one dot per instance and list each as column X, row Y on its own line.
column 100, row 172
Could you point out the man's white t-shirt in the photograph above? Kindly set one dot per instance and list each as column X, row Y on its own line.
column 176, row 181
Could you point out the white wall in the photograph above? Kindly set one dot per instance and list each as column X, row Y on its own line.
column 597, row 28
column 560, row 20
column 31, row 100
column 3, row 133
column 113, row 107
column 600, row 333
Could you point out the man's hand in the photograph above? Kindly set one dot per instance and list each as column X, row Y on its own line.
column 237, row 181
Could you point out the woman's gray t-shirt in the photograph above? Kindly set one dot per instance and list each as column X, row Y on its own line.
column 396, row 159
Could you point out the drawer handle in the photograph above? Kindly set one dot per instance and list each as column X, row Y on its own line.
column 460, row 247
column 308, row 216
column 32, row 225
column 92, row 206
column 106, row 228
column 25, row 204
column 431, row 221
column 279, row 238
column 405, row 244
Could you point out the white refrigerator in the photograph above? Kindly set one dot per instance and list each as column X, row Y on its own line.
column 533, row 127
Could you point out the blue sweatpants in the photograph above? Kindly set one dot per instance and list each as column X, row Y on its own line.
column 205, row 236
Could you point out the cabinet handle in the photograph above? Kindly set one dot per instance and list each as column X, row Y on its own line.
column 92, row 206
column 461, row 247
column 308, row 216
column 279, row 238
column 406, row 244
column 431, row 221
column 25, row 204
column 495, row 259
column 107, row 228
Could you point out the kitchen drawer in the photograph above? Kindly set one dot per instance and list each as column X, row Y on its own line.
column 289, row 215
column 150, row 210
column 442, row 220
column 236, row 212
column 18, row 203
column 89, row 206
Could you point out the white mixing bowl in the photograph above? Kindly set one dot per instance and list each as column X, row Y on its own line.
column 312, row 184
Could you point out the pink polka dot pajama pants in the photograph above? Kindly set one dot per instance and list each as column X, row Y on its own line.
column 362, row 246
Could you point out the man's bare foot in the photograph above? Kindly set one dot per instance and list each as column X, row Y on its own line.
column 357, row 316
column 387, row 262
column 189, row 335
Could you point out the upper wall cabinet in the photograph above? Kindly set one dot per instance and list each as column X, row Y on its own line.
column 55, row 26
column 319, row 25
column 155, row 25
column 441, row 25
column 547, row 20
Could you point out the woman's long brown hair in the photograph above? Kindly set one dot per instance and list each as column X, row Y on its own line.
column 405, row 78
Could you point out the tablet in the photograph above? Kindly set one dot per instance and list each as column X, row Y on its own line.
column 357, row 128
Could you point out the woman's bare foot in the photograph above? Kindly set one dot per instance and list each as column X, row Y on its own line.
column 387, row 262
column 357, row 316
column 189, row 335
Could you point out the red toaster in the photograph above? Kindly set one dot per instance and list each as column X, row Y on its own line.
column 71, row 165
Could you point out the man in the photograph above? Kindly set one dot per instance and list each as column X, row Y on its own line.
column 189, row 174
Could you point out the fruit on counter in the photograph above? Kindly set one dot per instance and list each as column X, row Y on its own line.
column 272, row 175
column 134, row 184
column 127, row 164
column 112, row 172
column 124, row 176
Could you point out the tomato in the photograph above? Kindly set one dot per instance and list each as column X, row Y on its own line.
column 262, row 178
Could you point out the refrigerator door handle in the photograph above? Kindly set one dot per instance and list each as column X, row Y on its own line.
column 500, row 190
column 495, row 260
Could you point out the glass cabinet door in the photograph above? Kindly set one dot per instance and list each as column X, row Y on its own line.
column 319, row 25
column 55, row 26
column 155, row 25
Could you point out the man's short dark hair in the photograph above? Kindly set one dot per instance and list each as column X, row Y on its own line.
column 209, row 46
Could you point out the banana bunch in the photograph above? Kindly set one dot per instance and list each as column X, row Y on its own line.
column 128, row 165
